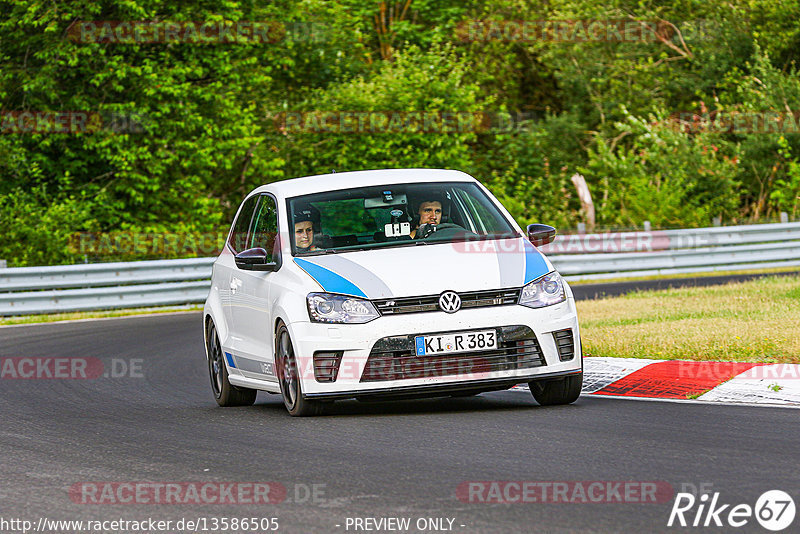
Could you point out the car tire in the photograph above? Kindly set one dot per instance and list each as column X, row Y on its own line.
column 288, row 376
column 225, row 393
column 559, row 391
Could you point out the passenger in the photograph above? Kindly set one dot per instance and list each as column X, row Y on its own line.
column 304, row 231
column 428, row 213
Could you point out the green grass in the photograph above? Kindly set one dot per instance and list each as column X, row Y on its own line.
column 679, row 276
column 755, row 321
column 73, row 316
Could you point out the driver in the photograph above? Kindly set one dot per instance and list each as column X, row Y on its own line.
column 304, row 231
column 429, row 213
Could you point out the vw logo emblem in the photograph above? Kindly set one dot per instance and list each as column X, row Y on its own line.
column 450, row 302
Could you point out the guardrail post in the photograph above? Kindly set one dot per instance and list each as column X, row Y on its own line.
column 647, row 226
column 3, row 264
column 717, row 221
column 784, row 217
column 581, row 228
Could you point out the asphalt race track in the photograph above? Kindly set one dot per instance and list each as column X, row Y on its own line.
column 159, row 423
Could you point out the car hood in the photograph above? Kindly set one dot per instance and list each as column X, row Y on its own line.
column 428, row 269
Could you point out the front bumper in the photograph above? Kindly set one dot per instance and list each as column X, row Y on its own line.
column 421, row 391
column 356, row 342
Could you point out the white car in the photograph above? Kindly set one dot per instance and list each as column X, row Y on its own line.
column 386, row 284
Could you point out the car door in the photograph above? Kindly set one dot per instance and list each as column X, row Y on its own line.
column 250, row 305
column 226, row 273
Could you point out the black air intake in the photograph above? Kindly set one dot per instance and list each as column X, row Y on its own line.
column 326, row 366
column 565, row 344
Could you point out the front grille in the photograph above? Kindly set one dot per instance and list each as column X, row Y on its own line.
column 473, row 299
column 394, row 358
column 565, row 344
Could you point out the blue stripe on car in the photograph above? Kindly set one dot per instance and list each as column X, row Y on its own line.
column 330, row 281
column 229, row 357
column 368, row 281
column 535, row 265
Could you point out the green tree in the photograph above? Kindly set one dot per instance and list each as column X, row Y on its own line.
column 661, row 174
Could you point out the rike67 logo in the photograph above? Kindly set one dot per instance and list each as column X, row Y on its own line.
column 774, row 510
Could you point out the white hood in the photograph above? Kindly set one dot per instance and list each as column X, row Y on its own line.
column 428, row 269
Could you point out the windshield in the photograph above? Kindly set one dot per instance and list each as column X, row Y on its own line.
column 393, row 215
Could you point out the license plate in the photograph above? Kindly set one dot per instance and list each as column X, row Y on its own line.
column 456, row 342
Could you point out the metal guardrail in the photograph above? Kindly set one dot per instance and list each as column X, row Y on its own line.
column 33, row 290
column 99, row 286
column 628, row 254
column 105, row 274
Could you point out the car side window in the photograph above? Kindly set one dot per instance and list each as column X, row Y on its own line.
column 238, row 237
column 265, row 226
column 488, row 221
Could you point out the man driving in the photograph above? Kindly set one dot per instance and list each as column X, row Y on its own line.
column 430, row 213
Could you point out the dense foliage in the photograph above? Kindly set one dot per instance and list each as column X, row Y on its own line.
column 189, row 127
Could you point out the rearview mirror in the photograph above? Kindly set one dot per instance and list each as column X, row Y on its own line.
column 388, row 200
column 255, row 259
column 541, row 234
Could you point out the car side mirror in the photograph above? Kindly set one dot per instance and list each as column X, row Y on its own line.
column 541, row 234
column 255, row 259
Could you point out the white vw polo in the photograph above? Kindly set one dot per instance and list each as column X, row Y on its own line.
column 386, row 284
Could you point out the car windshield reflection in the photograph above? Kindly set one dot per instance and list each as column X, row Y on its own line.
column 396, row 215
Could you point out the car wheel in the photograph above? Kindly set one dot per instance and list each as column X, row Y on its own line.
column 225, row 393
column 289, row 377
column 560, row 391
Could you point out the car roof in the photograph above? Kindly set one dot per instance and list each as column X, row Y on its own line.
column 347, row 180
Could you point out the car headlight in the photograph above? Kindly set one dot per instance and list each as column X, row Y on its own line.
column 329, row 308
column 545, row 291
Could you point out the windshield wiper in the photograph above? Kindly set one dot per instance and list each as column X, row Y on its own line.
column 320, row 252
column 350, row 248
